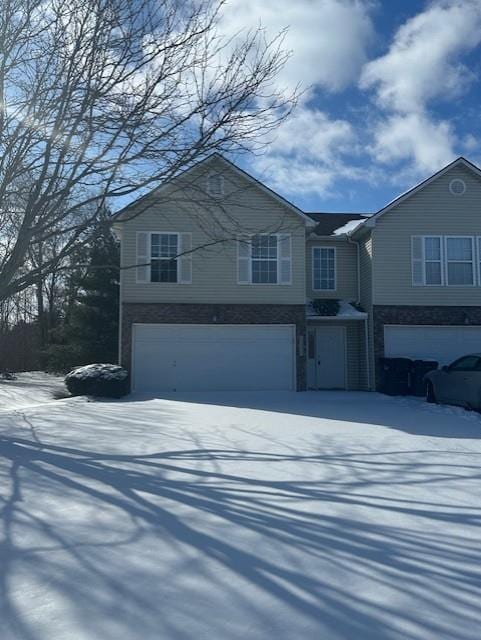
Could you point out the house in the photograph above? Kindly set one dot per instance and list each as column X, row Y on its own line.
column 227, row 285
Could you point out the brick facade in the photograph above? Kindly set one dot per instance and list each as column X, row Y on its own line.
column 417, row 315
column 181, row 313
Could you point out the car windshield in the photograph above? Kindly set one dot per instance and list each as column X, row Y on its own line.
column 467, row 363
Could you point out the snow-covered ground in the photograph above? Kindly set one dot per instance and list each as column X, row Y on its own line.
column 313, row 516
column 30, row 388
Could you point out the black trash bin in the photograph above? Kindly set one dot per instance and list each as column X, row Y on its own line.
column 419, row 369
column 395, row 376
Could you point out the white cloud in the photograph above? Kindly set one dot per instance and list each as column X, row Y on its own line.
column 423, row 64
column 470, row 143
column 328, row 38
column 429, row 144
column 308, row 153
column 326, row 137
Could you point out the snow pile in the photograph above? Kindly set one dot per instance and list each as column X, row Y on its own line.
column 346, row 311
column 349, row 227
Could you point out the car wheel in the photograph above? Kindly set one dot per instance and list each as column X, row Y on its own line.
column 430, row 395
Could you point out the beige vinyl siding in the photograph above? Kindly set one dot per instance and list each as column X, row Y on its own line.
column 346, row 270
column 244, row 209
column 365, row 268
column 354, row 349
column 432, row 211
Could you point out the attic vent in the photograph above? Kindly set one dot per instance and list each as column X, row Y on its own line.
column 457, row 187
column 215, row 185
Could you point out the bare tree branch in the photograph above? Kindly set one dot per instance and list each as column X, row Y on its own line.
column 107, row 99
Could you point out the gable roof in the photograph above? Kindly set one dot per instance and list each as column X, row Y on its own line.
column 407, row 194
column 327, row 223
column 217, row 156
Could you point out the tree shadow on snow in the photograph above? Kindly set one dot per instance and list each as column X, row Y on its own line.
column 407, row 414
column 189, row 501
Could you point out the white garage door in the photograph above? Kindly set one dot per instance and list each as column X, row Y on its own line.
column 213, row 357
column 443, row 344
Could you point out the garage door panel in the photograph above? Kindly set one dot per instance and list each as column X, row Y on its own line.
column 440, row 343
column 211, row 333
column 213, row 357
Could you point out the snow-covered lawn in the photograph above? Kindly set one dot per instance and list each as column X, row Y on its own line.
column 31, row 388
column 314, row 516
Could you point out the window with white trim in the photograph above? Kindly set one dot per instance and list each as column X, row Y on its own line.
column 433, row 260
column 164, row 249
column 427, row 260
column 264, row 258
column 459, row 260
column 479, row 259
column 445, row 260
column 324, row 268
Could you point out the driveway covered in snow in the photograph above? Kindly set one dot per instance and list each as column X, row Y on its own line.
column 30, row 388
column 241, row 517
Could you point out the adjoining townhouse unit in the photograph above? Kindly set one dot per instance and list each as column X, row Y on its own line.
column 420, row 262
column 225, row 285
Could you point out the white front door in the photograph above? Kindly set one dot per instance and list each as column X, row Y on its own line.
column 330, row 361
column 213, row 357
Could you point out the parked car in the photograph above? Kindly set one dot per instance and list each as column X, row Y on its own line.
column 458, row 383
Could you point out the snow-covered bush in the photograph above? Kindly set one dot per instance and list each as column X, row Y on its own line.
column 328, row 307
column 104, row 380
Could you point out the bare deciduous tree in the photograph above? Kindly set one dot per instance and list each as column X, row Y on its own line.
column 104, row 99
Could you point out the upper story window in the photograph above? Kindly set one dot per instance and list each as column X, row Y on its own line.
column 459, row 261
column 215, row 185
column 433, row 255
column 324, row 268
column 264, row 259
column 479, row 258
column 164, row 257
column 164, row 249
column 442, row 260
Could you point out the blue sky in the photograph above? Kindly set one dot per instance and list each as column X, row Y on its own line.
column 394, row 90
